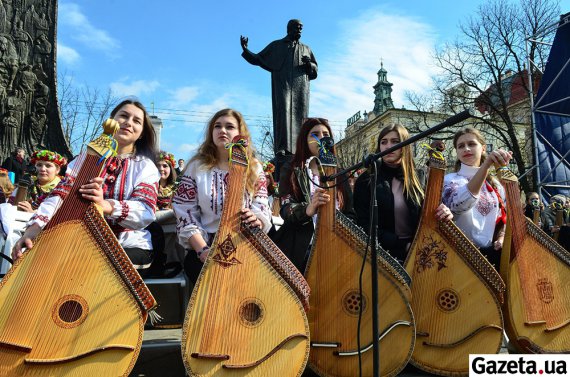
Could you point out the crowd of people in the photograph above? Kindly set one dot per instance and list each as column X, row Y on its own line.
column 140, row 187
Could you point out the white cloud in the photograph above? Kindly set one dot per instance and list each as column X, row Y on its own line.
column 67, row 54
column 70, row 14
column 344, row 85
column 184, row 95
column 188, row 147
column 136, row 88
column 188, row 109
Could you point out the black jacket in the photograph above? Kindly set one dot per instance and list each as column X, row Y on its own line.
column 385, row 200
column 19, row 168
column 294, row 236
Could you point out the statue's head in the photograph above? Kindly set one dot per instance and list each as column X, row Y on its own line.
column 294, row 28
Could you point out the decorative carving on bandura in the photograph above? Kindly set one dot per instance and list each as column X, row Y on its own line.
column 352, row 302
column 227, row 249
column 545, row 290
column 29, row 115
column 447, row 300
column 430, row 254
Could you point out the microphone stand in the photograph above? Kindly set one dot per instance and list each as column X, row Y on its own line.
column 367, row 162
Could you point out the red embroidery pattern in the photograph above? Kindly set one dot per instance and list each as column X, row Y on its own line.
column 43, row 218
column 261, row 186
column 145, row 193
column 64, row 187
column 186, row 191
column 124, row 211
column 485, row 203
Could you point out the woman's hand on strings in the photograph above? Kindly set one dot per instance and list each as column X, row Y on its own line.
column 443, row 213
column 26, row 241
column 249, row 217
column 320, row 198
column 93, row 191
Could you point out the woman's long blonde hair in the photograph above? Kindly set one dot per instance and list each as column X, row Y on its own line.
column 412, row 187
column 206, row 154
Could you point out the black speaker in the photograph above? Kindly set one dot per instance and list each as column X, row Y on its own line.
column 172, row 296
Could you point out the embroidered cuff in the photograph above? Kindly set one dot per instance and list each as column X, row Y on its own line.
column 120, row 210
column 41, row 220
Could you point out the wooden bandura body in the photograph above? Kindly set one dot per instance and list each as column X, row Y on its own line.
column 456, row 293
column 73, row 305
column 536, row 270
column 246, row 315
column 333, row 272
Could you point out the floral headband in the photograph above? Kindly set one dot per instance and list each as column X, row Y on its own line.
column 3, row 172
column 168, row 157
column 268, row 167
column 49, row 156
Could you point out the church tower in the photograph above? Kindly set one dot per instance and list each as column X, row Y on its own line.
column 382, row 92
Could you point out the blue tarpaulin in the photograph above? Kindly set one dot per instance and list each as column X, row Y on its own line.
column 552, row 115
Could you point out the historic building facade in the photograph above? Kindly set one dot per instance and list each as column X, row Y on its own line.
column 361, row 133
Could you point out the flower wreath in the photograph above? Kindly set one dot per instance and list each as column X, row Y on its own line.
column 45, row 155
column 168, row 157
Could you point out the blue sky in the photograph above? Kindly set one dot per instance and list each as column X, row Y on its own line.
column 185, row 57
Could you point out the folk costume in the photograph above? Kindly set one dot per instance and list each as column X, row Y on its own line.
column 130, row 185
column 478, row 216
column 198, row 203
column 165, row 193
column 37, row 192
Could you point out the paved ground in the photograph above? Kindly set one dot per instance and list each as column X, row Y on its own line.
column 160, row 356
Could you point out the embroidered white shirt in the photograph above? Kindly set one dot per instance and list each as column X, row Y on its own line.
column 199, row 201
column 133, row 199
column 475, row 215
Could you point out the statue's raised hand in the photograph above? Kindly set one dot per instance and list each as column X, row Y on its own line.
column 243, row 40
column 305, row 59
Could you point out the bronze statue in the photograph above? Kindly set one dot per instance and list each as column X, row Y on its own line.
column 292, row 65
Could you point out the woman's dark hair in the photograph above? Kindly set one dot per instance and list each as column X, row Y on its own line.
column 302, row 154
column 146, row 144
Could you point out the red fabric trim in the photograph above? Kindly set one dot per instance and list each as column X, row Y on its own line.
column 124, row 211
column 502, row 219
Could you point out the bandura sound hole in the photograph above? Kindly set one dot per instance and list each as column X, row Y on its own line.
column 448, row 300
column 251, row 313
column 352, row 301
column 70, row 311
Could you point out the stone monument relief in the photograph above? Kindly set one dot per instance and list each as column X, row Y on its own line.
column 29, row 115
